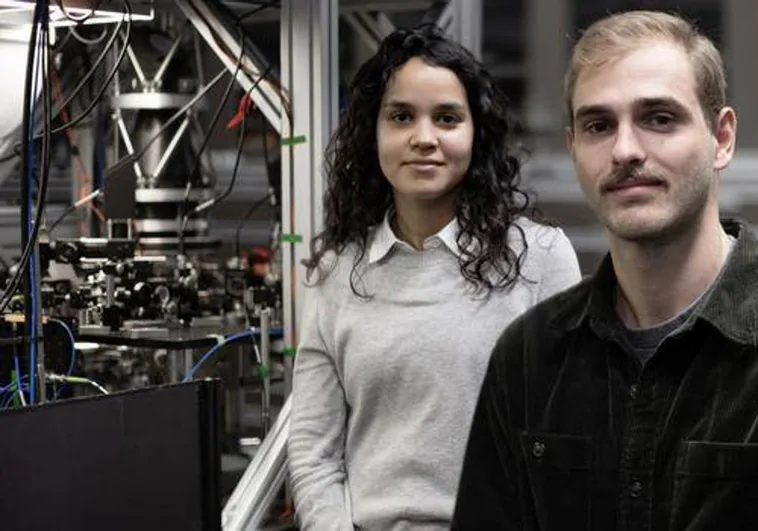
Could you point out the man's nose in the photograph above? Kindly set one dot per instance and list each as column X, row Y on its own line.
column 627, row 147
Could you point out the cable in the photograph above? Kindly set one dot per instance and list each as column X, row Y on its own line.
column 89, row 42
column 261, row 7
column 79, row 20
column 206, row 139
column 276, row 332
column 259, row 203
column 19, row 377
column 83, row 82
column 128, row 33
column 245, row 218
column 76, row 380
column 39, row 40
column 235, row 171
column 136, row 156
column 72, row 341
column 83, row 201
column 229, row 339
column 41, row 196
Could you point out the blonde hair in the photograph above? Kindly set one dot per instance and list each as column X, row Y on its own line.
column 612, row 37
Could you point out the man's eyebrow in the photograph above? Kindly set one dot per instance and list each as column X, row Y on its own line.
column 586, row 111
column 663, row 101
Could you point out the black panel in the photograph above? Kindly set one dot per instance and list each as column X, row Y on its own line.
column 146, row 459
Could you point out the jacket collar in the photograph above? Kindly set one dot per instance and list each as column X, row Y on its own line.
column 731, row 306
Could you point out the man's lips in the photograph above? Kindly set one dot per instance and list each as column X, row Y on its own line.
column 633, row 183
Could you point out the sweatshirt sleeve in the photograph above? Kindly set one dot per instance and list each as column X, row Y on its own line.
column 316, row 443
column 560, row 266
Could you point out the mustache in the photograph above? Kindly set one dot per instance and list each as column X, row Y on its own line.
column 627, row 175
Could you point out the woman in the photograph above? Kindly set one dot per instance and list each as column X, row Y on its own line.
column 427, row 254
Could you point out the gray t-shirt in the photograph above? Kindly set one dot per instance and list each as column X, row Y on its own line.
column 643, row 342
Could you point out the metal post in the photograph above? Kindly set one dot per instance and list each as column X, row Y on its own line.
column 265, row 371
column 309, row 74
column 547, row 23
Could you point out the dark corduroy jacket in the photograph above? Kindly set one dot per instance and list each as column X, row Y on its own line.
column 572, row 432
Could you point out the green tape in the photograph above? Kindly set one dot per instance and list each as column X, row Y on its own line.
column 289, row 352
column 292, row 140
column 263, row 371
column 292, row 238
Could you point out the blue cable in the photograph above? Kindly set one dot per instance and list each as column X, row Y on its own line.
column 72, row 361
column 228, row 339
column 10, row 386
column 273, row 333
column 34, row 347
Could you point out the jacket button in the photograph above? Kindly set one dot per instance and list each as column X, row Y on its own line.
column 538, row 449
column 634, row 391
column 635, row 490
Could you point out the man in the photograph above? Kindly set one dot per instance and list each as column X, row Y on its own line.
column 630, row 402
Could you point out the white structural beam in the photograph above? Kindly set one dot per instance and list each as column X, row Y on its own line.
column 266, row 96
column 309, row 74
column 462, row 20
column 369, row 28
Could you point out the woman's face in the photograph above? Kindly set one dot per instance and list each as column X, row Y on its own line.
column 424, row 133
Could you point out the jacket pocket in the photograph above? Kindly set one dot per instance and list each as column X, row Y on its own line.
column 715, row 486
column 560, row 478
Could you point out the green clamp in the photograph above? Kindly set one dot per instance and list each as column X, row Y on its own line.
column 263, row 372
column 293, row 140
column 292, row 238
column 289, row 352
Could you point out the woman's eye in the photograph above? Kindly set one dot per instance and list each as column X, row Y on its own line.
column 448, row 119
column 401, row 116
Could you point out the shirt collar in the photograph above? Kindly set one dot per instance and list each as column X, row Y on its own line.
column 731, row 306
column 385, row 239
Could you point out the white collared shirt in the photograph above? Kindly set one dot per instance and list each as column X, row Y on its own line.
column 385, row 239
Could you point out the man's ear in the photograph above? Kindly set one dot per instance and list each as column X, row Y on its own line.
column 570, row 139
column 725, row 133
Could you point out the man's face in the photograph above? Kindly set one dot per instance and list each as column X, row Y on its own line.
column 645, row 155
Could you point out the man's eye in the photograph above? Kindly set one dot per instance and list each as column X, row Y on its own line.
column 661, row 120
column 596, row 127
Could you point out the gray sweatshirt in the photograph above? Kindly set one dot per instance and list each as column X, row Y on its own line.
column 385, row 388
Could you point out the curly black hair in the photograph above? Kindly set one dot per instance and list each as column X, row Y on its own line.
column 489, row 199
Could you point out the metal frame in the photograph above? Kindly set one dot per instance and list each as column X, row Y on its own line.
column 309, row 69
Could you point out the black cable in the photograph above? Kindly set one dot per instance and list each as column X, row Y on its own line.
column 72, row 208
column 108, row 79
column 216, row 200
column 29, row 240
column 83, row 82
column 79, row 20
column 261, row 7
column 206, row 139
column 250, row 211
column 270, row 195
